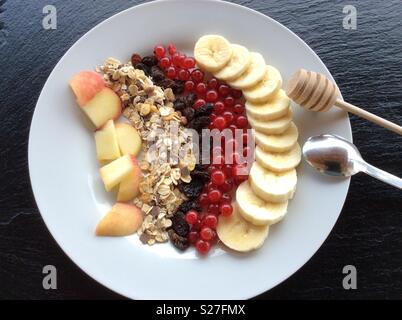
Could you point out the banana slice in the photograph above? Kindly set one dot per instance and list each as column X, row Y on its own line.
column 239, row 63
column 279, row 162
column 270, row 110
column 278, row 143
column 256, row 210
column 276, row 126
column 271, row 186
column 212, row 52
column 239, row 234
column 254, row 73
column 266, row 88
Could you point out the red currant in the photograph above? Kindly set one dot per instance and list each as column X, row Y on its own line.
column 238, row 108
column 206, row 233
column 219, row 123
column 211, row 221
column 227, row 198
column 211, row 96
column 241, row 122
column 171, row 49
column 227, row 186
column 202, row 246
column 213, row 83
column 229, row 102
column 189, row 85
column 219, row 160
column 213, row 208
column 219, row 107
column 197, row 75
column 203, row 199
column 191, row 217
column 214, row 196
column 223, row 90
column 164, row 62
column 212, row 117
column 227, row 169
column 246, row 152
column 201, row 88
column 237, row 94
column 176, row 59
column 193, row 236
column 218, row 177
column 171, row 73
column 239, row 173
column 226, row 209
column 159, row 51
column 229, row 117
column 233, row 128
column 189, row 63
column 198, row 103
column 184, row 75
column 196, row 226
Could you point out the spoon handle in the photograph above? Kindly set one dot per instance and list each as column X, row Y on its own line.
column 382, row 175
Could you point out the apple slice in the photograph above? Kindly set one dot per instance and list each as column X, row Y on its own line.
column 105, row 105
column 107, row 147
column 114, row 172
column 122, row 220
column 128, row 138
column 85, row 85
column 129, row 187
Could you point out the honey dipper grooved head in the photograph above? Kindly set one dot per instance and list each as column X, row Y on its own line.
column 312, row 91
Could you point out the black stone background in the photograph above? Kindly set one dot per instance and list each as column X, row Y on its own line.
column 366, row 64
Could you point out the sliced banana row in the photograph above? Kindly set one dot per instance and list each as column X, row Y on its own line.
column 263, row 199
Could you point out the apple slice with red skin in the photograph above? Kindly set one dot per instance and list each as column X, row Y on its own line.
column 86, row 85
column 122, row 220
column 129, row 187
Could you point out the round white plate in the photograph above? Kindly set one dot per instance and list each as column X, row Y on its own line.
column 70, row 195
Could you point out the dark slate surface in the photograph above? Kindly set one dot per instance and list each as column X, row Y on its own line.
column 367, row 66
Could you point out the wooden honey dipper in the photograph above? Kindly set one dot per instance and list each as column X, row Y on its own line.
column 313, row 91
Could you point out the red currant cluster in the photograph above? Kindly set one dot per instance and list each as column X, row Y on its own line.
column 176, row 65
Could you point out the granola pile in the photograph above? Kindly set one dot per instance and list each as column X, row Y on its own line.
column 168, row 157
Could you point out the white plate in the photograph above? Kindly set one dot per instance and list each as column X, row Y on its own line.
column 70, row 195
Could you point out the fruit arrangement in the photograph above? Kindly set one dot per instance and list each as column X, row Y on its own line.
column 236, row 191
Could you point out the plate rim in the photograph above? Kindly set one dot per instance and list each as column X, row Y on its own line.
column 35, row 192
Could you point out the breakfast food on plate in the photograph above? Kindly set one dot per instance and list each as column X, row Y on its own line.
column 128, row 139
column 272, row 186
column 122, row 220
column 114, row 172
column 212, row 52
column 167, row 194
column 279, row 161
column 278, row 143
column 266, row 88
column 85, row 85
column 107, row 147
column 105, row 105
column 256, row 210
column 239, row 234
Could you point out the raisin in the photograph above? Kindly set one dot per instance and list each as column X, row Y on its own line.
column 143, row 67
column 193, row 189
column 135, row 59
column 157, row 74
column 190, row 99
column 166, row 83
column 198, row 123
column 186, row 206
column 188, row 113
column 150, row 61
column 178, row 87
column 204, row 110
column 180, row 103
column 178, row 241
column 180, row 225
column 198, row 174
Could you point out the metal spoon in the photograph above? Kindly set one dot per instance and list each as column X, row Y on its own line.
column 335, row 156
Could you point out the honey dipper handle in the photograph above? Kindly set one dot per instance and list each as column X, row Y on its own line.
column 369, row 116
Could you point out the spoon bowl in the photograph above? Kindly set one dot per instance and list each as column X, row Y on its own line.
column 335, row 156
